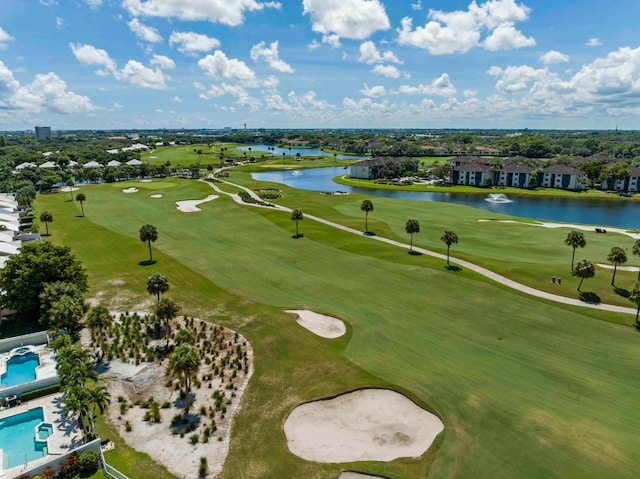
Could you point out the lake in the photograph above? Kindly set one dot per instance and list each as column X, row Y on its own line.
column 277, row 152
column 616, row 213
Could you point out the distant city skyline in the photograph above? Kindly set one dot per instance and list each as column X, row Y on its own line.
column 151, row 64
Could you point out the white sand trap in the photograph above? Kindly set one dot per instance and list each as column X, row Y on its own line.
column 547, row 224
column 324, row 326
column 130, row 190
column 146, row 180
column 620, row 268
column 356, row 475
column 189, row 206
column 67, row 189
column 364, row 425
column 158, row 195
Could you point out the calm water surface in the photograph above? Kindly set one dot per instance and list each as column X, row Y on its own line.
column 622, row 214
column 277, row 152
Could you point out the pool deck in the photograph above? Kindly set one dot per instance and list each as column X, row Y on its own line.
column 66, row 432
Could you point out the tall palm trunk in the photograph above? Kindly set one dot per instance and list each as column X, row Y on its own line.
column 150, row 255
column 581, row 280
column 366, row 222
column 411, row 243
column 572, row 258
column 615, row 268
column 448, row 248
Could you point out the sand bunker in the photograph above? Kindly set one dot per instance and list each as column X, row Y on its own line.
column 130, row 190
column 356, row 475
column 620, row 268
column 189, row 206
column 324, row 326
column 145, row 181
column 67, row 189
column 364, row 425
column 156, row 196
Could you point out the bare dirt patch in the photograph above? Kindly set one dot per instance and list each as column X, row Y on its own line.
column 324, row 326
column 363, row 425
column 141, row 385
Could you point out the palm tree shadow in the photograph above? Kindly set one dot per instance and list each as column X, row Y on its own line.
column 79, row 216
column 415, row 253
column 453, row 267
column 589, row 297
column 147, row 262
column 369, row 233
column 621, row 292
column 298, row 236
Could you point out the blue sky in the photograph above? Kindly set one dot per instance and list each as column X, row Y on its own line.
column 125, row 64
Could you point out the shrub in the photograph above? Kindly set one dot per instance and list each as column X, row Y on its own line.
column 204, row 468
column 69, row 465
column 89, row 461
column 194, row 438
column 127, row 426
column 49, row 473
column 36, row 393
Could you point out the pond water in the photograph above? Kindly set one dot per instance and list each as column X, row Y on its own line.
column 277, row 152
column 622, row 213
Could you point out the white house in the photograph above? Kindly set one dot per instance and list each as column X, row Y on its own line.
column 114, row 164
column 48, row 165
column 24, row 165
column 630, row 184
column 134, row 162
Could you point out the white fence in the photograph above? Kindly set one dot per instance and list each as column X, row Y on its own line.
column 34, row 338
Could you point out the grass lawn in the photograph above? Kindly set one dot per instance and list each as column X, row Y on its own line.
column 186, row 154
column 528, row 254
column 525, row 388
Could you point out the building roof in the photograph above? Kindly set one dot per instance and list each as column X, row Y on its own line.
column 518, row 168
column 559, row 169
column 467, row 159
column 48, row 165
column 381, row 160
column 26, row 164
column 473, row 167
column 134, row 162
column 114, row 163
column 92, row 164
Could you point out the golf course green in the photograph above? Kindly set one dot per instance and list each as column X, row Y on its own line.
column 525, row 388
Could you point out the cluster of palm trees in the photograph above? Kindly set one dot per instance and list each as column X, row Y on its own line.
column 76, row 372
column 585, row 269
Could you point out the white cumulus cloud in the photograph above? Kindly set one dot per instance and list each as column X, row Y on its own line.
column 136, row 73
column 441, row 86
column 163, row 62
column 271, row 56
column 47, row 92
column 192, row 43
column 593, row 42
column 388, row 71
column 461, row 30
column 219, row 66
column 554, row 56
column 376, row 91
column 228, row 12
column 90, row 55
column 369, row 54
column 144, row 32
column 355, row 19
column 4, row 38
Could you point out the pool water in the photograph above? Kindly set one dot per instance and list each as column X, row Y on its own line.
column 18, row 439
column 44, row 431
column 22, row 350
column 20, row 370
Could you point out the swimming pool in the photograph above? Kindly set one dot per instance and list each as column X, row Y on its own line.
column 20, row 370
column 18, row 438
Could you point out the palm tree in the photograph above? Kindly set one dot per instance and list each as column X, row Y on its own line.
column 98, row 320
column 166, row 310
column 367, row 207
column 65, row 313
column 81, row 198
column 575, row 239
column 99, row 400
column 149, row 233
column 157, row 284
column 46, row 217
column 185, row 361
column 296, row 215
column 636, row 251
column 70, row 186
column 73, row 366
column 412, row 226
column 77, row 400
column 634, row 296
column 449, row 238
column 616, row 256
column 584, row 269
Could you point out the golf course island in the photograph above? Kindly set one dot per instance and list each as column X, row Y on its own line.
column 279, row 340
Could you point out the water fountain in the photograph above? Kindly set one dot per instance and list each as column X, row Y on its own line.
column 498, row 198
column 297, row 173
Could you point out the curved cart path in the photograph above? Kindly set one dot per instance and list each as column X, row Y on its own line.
column 471, row 266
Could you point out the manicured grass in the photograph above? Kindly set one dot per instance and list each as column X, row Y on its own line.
column 186, row 154
column 525, row 388
column 528, row 254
